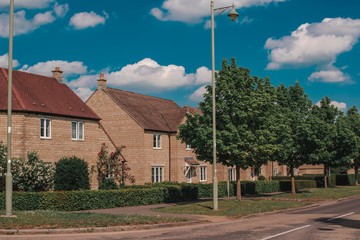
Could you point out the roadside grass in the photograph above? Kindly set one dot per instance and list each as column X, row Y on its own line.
column 321, row 193
column 231, row 208
column 54, row 219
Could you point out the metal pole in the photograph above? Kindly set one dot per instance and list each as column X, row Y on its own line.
column 215, row 183
column 8, row 172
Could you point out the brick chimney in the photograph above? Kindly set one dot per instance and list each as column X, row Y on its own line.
column 57, row 74
column 101, row 82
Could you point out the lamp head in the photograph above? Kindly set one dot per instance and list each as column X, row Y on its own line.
column 233, row 14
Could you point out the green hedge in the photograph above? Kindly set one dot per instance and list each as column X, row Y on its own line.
column 299, row 184
column 345, row 179
column 87, row 199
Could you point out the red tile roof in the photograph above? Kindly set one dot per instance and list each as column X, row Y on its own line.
column 192, row 110
column 40, row 94
column 151, row 113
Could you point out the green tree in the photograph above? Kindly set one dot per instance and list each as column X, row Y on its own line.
column 322, row 142
column 351, row 140
column 293, row 107
column 244, row 121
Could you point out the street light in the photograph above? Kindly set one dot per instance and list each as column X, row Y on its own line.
column 8, row 178
column 233, row 15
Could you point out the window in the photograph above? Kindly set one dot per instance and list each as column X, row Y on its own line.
column 188, row 147
column 157, row 174
column 275, row 171
column 157, row 141
column 202, row 170
column 77, row 130
column 232, row 173
column 45, row 128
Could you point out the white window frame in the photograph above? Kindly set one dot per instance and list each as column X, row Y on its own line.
column 203, row 173
column 275, row 171
column 157, row 141
column 188, row 147
column 77, row 130
column 232, row 173
column 157, row 174
column 44, row 121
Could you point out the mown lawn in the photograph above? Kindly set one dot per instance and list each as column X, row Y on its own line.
column 321, row 193
column 231, row 208
column 53, row 219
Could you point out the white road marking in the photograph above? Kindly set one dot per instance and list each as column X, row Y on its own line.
column 292, row 230
column 330, row 219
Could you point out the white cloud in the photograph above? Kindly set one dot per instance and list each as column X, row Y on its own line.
column 4, row 61
column 83, row 93
column 147, row 75
column 314, row 44
column 45, row 68
column 340, row 105
column 30, row 4
column 330, row 76
column 22, row 25
column 190, row 11
column 246, row 19
column 85, row 20
column 198, row 95
column 61, row 10
column 203, row 75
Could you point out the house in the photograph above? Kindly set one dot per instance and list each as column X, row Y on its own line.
column 148, row 126
column 49, row 118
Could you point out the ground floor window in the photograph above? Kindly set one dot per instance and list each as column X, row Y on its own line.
column 275, row 171
column 232, row 173
column 202, row 170
column 157, row 174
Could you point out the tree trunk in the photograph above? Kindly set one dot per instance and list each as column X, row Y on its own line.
column 325, row 177
column 293, row 191
column 356, row 176
column 238, row 184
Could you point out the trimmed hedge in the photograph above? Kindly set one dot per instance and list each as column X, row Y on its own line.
column 299, row 184
column 87, row 199
column 318, row 178
column 345, row 179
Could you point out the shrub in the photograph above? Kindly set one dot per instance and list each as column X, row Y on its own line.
column 299, row 184
column 100, row 199
column 108, row 184
column 345, row 179
column 262, row 178
column 71, row 174
column 28, row 175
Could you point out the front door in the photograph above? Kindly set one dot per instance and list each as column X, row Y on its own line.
column 188, row 175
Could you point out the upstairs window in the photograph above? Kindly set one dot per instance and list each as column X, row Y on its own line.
column 157, row 141
column 188, row 147
column 77, row 130
column 45, row 128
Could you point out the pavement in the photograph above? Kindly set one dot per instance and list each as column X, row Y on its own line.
column 143, row 210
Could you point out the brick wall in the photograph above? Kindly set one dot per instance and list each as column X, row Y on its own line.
column 26, row 137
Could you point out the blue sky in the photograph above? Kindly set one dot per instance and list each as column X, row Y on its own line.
column 163, row 47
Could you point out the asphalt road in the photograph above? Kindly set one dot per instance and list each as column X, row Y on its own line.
column 339, row 220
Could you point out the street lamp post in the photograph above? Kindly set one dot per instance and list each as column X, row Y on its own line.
column 8, row 171
column 233, row 15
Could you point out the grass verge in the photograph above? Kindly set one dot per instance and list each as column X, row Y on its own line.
column 53, row 219
column 321, row 193
column 231, row 208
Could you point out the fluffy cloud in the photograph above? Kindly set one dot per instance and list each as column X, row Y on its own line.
column 315, row 44
column 330, row 76
column 340, row 105
column 85, row 20
column 30, row 4
column 198, row 95
column 83, row 93
column 147, row 74
column 45, row 68
column 22, row 25
column 190, row 11
column 4, row 61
